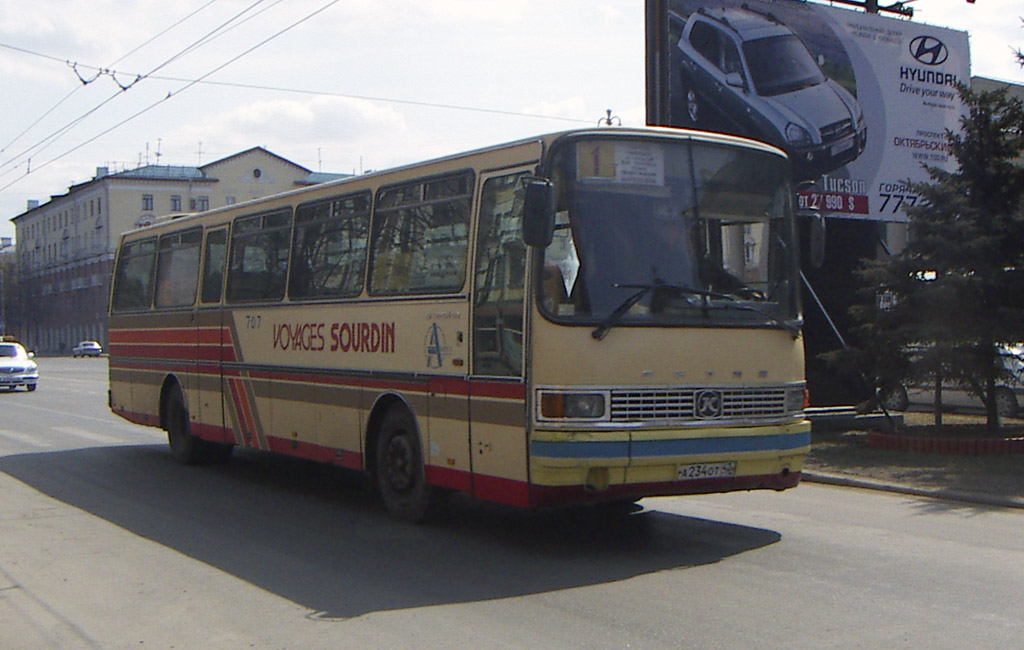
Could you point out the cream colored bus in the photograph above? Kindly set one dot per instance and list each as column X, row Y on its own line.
column 594, row 316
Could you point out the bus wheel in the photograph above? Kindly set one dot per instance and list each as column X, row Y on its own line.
column 401, row 476
column 185, row 447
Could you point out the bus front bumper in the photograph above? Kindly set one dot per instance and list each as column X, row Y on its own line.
column 595, row 468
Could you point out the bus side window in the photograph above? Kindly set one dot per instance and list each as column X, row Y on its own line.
column 177, row 268
column 500, row 279
column 421, row 236
column 213, row 269
column 133, row 280
column 329, row 247
column 259, row 257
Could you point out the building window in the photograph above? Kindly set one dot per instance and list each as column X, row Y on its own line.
column 229, row 200
column 175, row 203
column 199, row 204
column 147, row 202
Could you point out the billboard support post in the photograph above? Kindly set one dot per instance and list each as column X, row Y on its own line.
column 658, row 63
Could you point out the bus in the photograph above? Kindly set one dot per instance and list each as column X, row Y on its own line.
column 592, row 316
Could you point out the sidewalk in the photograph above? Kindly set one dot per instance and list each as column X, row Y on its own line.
column 841, row 455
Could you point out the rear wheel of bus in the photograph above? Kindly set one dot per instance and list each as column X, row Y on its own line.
column 401, row 472
column 185, row 447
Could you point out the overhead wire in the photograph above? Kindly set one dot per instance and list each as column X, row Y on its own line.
column 79, row 87
column 182, row 89
column 389, row 100
column 43, row 144
column 325, row 93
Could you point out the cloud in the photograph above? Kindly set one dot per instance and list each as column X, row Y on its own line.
column 289, row 127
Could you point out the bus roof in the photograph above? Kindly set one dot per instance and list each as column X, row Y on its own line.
column 545, row 140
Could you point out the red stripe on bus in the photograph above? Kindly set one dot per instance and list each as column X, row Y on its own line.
column 243, row 412
column 502, row 390
column 300, row 449
column 138, row 418
column 447, row 385
column 168, row 335
column 447, row 477
column 319, row 453
column 184, row 352
column 212, row 432
column 501, row 490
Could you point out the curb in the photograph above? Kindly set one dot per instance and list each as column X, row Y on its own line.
column 961, row 446
column 946, row 495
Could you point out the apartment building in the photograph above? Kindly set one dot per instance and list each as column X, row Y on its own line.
column 65, row 247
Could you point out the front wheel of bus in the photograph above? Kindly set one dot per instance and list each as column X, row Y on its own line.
column 401, row 474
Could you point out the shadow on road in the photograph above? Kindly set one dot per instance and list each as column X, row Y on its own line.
column 311, row 533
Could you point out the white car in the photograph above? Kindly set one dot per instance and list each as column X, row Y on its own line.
column 17, row 367
column 87, row 349
column 895, row 397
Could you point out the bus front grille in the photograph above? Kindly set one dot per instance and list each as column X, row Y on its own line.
column 699, row 404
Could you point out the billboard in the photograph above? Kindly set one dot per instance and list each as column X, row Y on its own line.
column 859, row 101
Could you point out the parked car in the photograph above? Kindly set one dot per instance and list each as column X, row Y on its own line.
column 896, row 397
column 87, row 349
column 745, row 72
column 16, row 366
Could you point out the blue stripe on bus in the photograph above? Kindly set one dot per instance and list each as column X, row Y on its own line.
column 618, row 449
column 676, row 447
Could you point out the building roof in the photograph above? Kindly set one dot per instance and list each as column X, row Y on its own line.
column 179, row 173
column 161, row 172
column 315, row 178
column 250, row 151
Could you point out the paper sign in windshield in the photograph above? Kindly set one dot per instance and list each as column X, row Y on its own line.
column 634, row 163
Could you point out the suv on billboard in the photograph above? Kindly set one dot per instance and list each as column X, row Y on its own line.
column 754, row 75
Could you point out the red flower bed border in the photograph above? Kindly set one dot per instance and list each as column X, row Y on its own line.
column 963, row 446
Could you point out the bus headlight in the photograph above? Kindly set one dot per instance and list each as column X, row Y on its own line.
column 797, row 399
column 572, row 406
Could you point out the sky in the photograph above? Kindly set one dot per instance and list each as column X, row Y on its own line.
column 341, row 86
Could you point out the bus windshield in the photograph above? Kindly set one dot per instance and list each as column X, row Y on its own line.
column 670, row 233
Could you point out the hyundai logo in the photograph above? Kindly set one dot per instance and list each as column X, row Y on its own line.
column 708, row 404
column 929, row 50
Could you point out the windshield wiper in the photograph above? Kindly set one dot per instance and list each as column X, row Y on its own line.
column 793, row 327
column 644, row 289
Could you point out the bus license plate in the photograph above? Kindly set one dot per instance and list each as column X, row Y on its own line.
column 706, row 470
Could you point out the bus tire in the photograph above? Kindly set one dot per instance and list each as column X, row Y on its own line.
column 185, row 447
column 401, row 472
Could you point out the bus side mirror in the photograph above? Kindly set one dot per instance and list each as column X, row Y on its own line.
column 816, row 229
column 816, row 245
column 539, row 213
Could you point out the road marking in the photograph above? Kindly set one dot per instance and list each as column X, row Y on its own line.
column 24, row 439
column 89, row 435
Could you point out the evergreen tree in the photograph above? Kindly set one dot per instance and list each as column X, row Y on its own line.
column 945, row 308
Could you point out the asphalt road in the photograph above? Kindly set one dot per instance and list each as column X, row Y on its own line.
column 106, row 543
